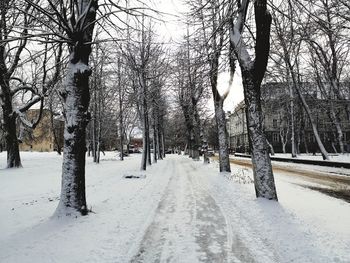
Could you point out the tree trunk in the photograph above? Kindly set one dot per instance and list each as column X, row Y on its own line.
column 196, row 131
column 220, row 118
column 337, row 125
column 149, row 156
column 54, row 132
column 145, row 145
column 313, row 124
column 121, row 138
column 76, row 101
column 253, row 72
column 163, row 142
column 12, row 147
column 76, row 97
column 99, row 126
column 159, row 142
column 334, row 148
column 291, row 94
column 94, row 121
column 121, row 130
column 155, row 145
column 9, row 123
column 262, row 168
column 306, row 107
column 272, row 151
column 145, row 132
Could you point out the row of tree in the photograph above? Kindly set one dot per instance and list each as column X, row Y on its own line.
column 61, row 54
column 311, row 44
column 309, row 53
column 217, row 39
column 102, row 64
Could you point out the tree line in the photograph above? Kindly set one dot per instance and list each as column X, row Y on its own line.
column 102, row 64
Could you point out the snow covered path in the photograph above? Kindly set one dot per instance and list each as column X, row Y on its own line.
column 190, row 226
column 182, row 211
column 205, row 217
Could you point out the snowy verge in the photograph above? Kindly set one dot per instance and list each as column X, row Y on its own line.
column 122, row 210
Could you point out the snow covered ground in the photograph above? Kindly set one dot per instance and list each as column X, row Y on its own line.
column 182, row 211
column 332, row 157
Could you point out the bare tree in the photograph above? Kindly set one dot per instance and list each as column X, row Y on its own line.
column 73, row 23
column 211, row 18
column 329, row 51
column 21, row 15
column 190, row 83
column 142, row 54
column 253, row 71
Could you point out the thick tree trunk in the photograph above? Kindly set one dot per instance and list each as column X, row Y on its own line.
column 262, row 168
column 12, row 147
column 252, row 75
column 9, row 116
column 76, row 101
column 195, row 145
column 144, row 151
column 9, row 126
column 220, row 118
column 76, row 98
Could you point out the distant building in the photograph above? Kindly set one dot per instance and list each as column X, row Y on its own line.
column 277, row 120
column 42, row 138
column 237, row 129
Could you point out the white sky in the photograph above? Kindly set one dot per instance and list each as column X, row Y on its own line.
column 173, row 29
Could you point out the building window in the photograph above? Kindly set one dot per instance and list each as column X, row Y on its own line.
column 274, row 123
column 275, row 137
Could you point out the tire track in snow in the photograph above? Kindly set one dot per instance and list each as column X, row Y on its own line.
column 189, row 225
column 169, row 237
column 243, row 235
column 233, row 249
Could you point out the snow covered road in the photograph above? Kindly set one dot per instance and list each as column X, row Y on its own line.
column 182, row 211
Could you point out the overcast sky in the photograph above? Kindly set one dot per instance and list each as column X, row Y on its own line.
column 174, row 29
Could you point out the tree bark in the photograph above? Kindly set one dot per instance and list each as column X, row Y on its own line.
column 272, row 151
column 262, row 168
column 220, row 118
column 252, row 75
column 9, row 118
column 76, row 97
column 291, row 94
column 121, row 124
